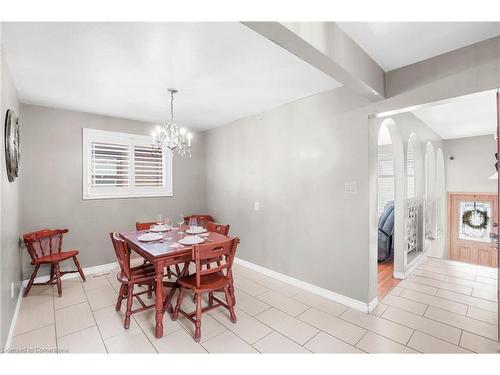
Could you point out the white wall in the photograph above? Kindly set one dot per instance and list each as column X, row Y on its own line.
column 474, row 162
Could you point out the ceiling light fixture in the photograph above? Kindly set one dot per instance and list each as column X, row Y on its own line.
column 172, row 135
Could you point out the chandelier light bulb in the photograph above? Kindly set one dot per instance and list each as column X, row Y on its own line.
column 183, row 131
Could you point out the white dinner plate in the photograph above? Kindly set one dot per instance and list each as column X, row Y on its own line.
column 196, row 230
column 191, row 240
column 160, row 228
column 149, row 237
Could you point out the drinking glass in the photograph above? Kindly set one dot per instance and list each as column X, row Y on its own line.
column 180, row 220
column 159, row 219
column 193, row 223
column 168, row 222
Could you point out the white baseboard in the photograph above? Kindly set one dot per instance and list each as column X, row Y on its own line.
column 103, row 268
column 348, row 301
column 14, row 318
column 409, row 271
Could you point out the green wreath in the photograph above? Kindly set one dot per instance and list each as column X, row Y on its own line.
column 467, row 216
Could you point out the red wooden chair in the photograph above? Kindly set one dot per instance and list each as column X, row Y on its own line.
column 44, row 247
column 208, row 280
column 146, row 226
column 218, row 228
column 129, row 277
column 201, row 219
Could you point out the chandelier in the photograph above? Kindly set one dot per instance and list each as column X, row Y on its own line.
column 171, row 135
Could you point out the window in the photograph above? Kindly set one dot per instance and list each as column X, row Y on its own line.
column 385, row 174
column 121, row 165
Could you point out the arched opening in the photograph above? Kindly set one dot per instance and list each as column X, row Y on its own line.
column 414, row 210
column 429, row 196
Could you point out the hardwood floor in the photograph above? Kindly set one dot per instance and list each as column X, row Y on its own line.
column 385, row 280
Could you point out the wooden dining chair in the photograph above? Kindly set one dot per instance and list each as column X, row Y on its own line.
column 146, row 226
column 208, row 280
column 129, row 277
column 218, row 228
column 201, row 219
column 45, row 247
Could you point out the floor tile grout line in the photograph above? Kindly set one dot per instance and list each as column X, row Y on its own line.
column 93, row 316
column 450, row 276
column 463, row 316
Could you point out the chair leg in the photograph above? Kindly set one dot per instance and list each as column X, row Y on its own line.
column 150, row 290
column 211, row 299
column 231, row 290
column 52, row 272
column 178, row 304
column 197, row 332
column 120, row 297
column 169, row 272
column 80, row 271
column 58, row 275
column 230, row 304
column 32, row 279
column 130, row 298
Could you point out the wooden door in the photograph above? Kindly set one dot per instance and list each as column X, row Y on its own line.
column 471, row 219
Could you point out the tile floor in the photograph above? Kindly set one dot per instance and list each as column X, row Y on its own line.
column 444, row 307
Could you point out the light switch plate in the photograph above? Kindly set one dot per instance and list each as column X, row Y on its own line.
column 350, row 187
column 256, row 206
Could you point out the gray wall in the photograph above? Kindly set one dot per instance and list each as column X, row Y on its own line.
column 295, row 160
column 474, row 162
column 10, row 224
column 52, row 183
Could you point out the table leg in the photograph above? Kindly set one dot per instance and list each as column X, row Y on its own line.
column 159, row 299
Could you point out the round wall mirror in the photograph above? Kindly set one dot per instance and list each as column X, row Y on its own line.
column 12, row 152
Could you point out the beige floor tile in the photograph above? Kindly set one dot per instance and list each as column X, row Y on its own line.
column 287, row 325
column 147, row 321
column 73, row 294
column 227, row 342
column 444, row 304
column 246, row 327
column 379, row 309
column 324, row 343
column 486, row 280
column 87, row 340
column 110, row 321
column 490, row 295
column 405, row 304
column 283, row 303
column 132, row 341
column 469, row 300
column 396, row 291
column 178, row 341
column 334, row 326
column 209, row 327
column 102, row 297
column 35, row 312
column 484, row 315
column 405, row 284
column 378, row 325
column 248, row 273
column 463, row 322
column 478, row 344
column 42, row 290
column 280, row 286
column 441, row 285
column 249, row 287
column 320, row 303
column 423, row 324
column 277, row 343
column 250, row 305
column 453, row 273
column 35, row 341
column 73, row 318
column 454, row 280
column 96, row 282
column 373, row 343
column 428, row 344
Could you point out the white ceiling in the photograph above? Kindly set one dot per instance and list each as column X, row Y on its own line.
column 466, row 116
column 224, row 71
column 396, row 44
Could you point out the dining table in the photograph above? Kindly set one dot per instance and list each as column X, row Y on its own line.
column 162, row 253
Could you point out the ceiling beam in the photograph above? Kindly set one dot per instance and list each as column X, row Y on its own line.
column 327, row 47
